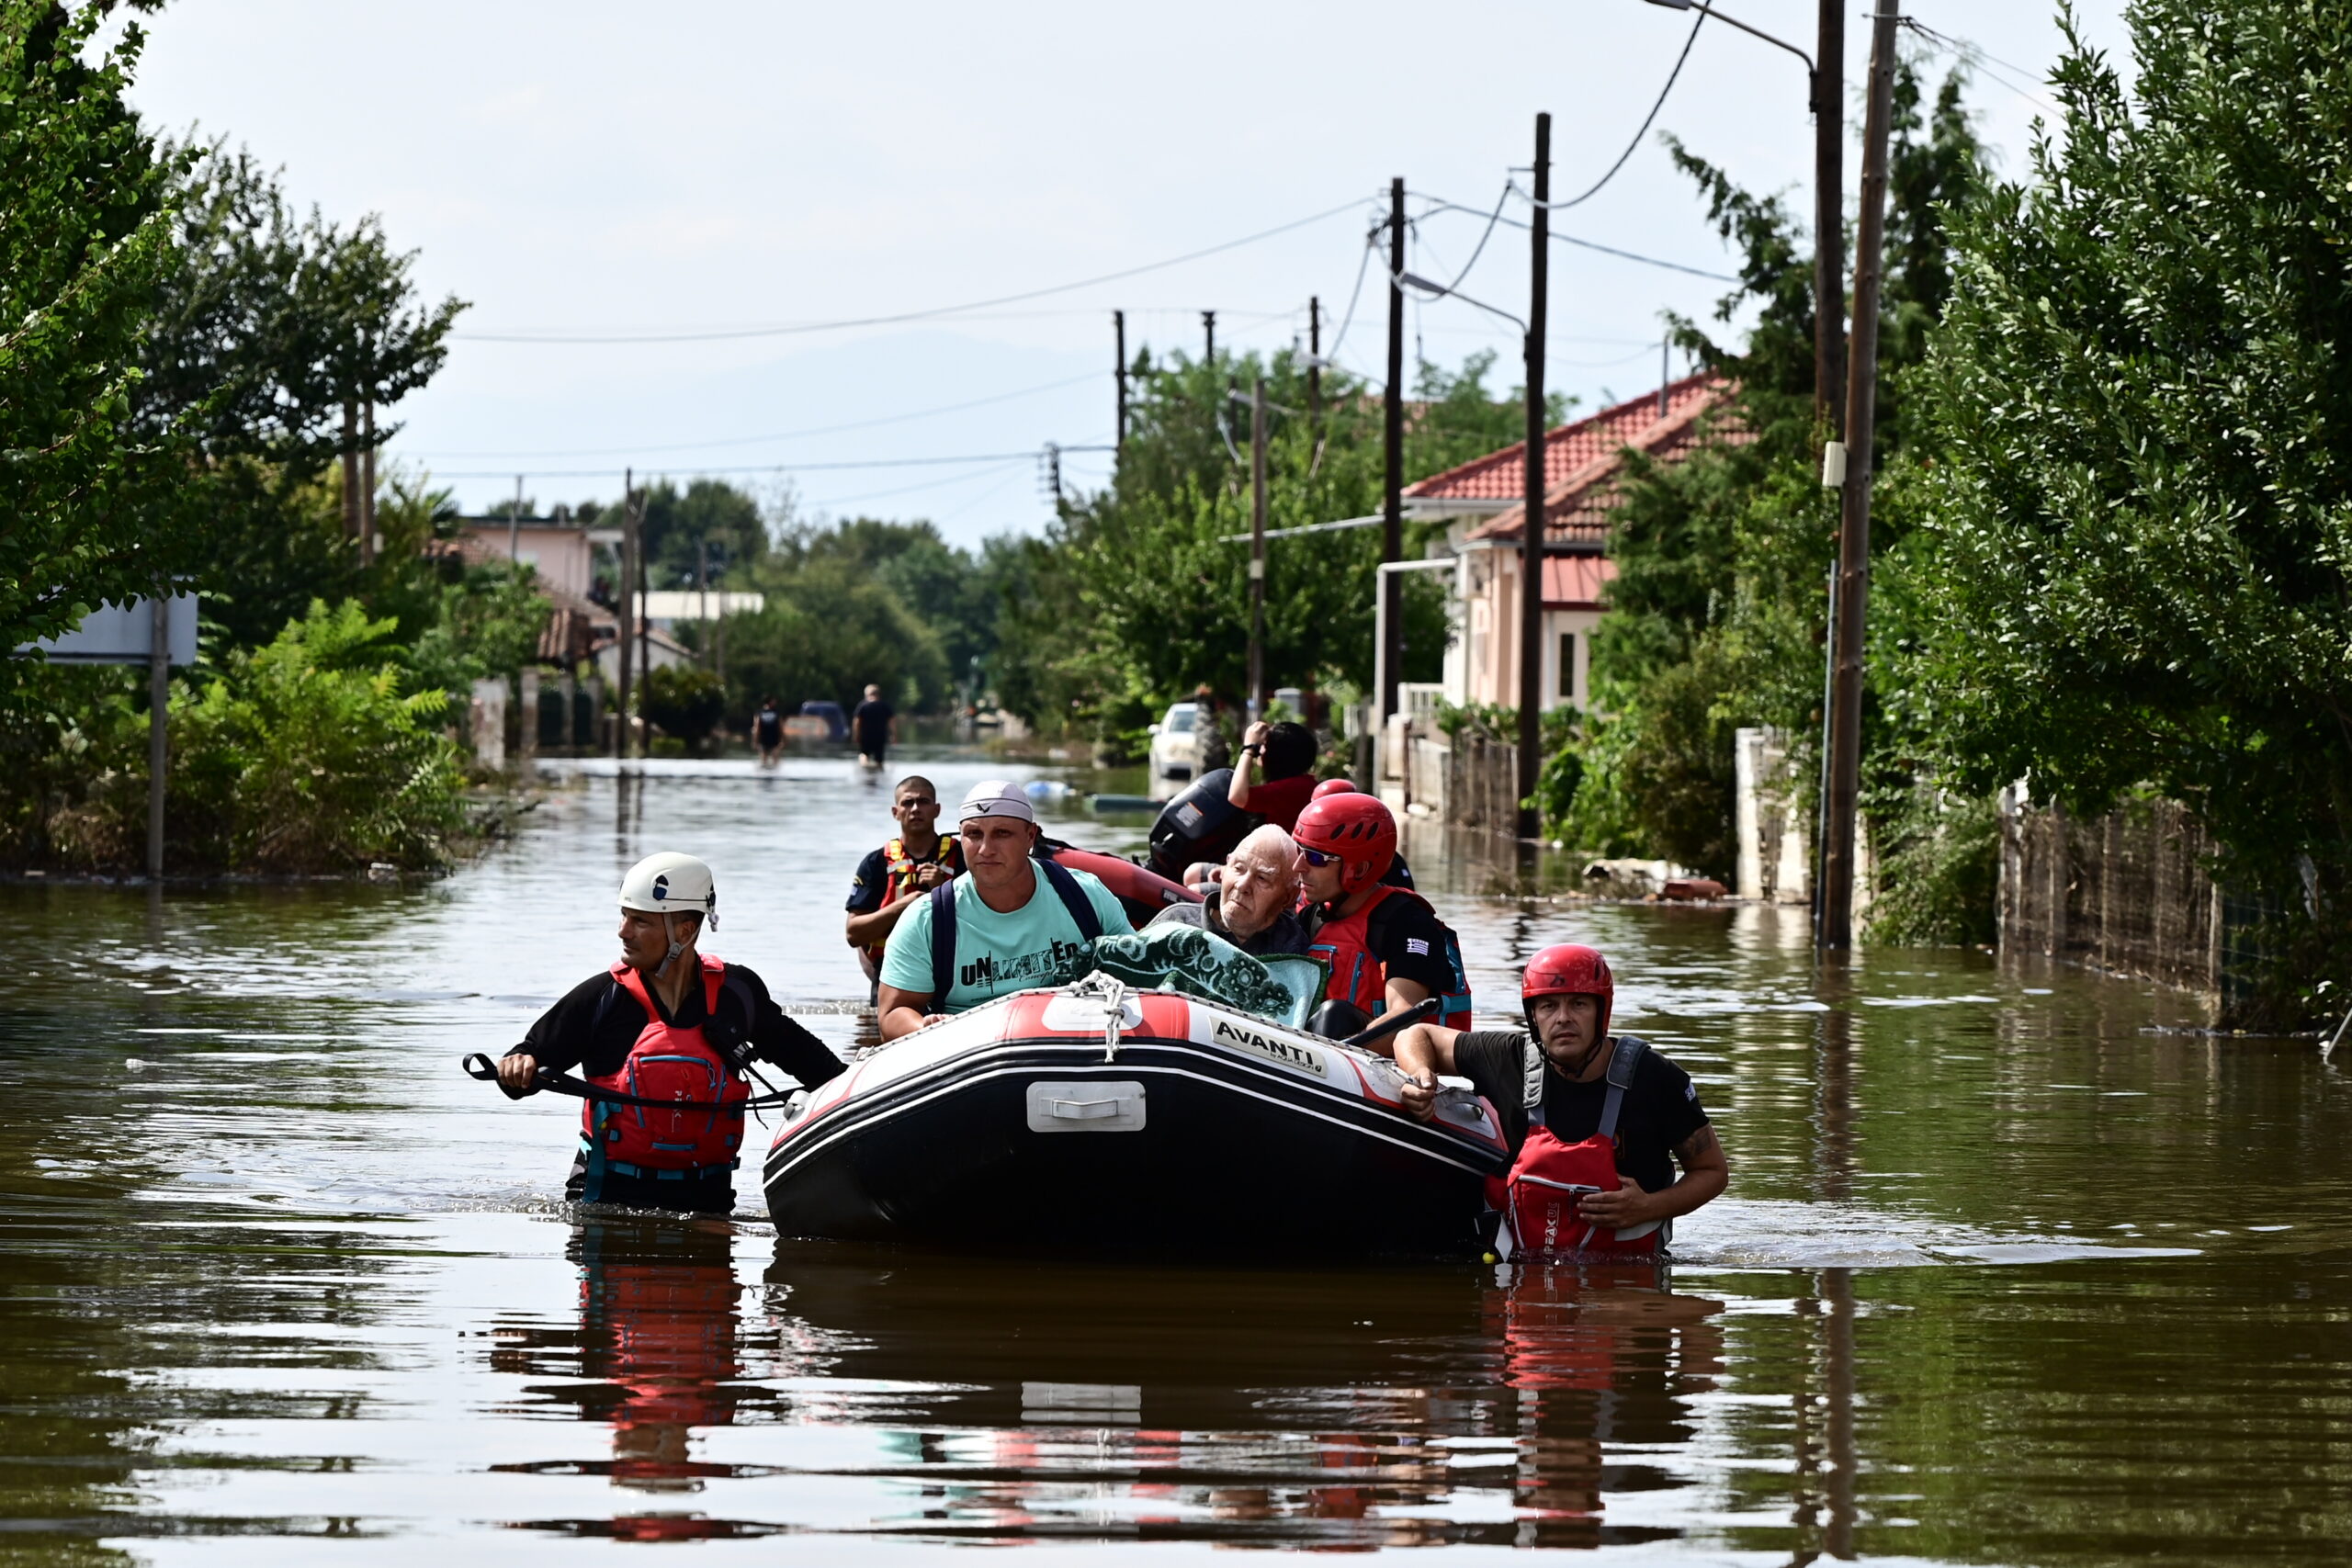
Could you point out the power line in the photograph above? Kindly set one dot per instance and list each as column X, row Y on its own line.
column 750, row 468
column 780, row 436
column 1438, row 204
column 716, row 334
column 1648, row 120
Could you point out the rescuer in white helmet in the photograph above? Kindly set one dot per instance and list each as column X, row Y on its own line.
column 667, row 1022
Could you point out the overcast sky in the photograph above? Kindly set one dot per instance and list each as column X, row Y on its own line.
column 591, row 168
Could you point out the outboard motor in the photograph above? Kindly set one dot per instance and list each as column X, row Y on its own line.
column 1200, row 824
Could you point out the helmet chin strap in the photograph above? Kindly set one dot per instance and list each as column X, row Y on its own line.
column 676, row 947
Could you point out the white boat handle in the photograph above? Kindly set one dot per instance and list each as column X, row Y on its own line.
column 1084, row 1110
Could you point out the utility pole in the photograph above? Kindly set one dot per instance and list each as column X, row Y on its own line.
column 1313, row 364
column 625, row 601
column 159, row 706
column 1836, row 929
column 1390, row 651
column 1828, row 214
column 350, row 468
column 644, row 605
column 515, row 529
column 1665, row 370
column 1209, row 325
column 1119, row 330
column 367, row 483
column 702, row 586
column 1257, row 548
column 1530, row 553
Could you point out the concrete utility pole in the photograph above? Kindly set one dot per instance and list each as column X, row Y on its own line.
column 1208, row 326
column 1828, row 214
column 1257, row 548
column 1119, row 330
column 1531, row 555
column 624, row 601
column 1392, row 518
column 1837, row 927
column 159, row 704
column 515, row 529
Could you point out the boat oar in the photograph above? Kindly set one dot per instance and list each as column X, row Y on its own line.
column 478, row 1065
column 1395, row 1020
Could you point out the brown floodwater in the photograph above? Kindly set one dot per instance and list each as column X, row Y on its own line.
column 2015, row 1267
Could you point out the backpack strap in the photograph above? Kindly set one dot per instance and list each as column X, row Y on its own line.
column 1624, row 1063
column 1081, row 908
column 733, row 1040
column 943, row 942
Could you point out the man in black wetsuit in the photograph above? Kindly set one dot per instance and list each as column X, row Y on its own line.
column 650, row 1027
column 1568, row 992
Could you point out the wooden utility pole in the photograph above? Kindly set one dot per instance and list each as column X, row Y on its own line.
column 159, row 706
column 1257, row 548
column 1837, row 857
column 1828, row 215
column 1119, row 330
column 1392, row 519
column 1208, row 326
column 350, row 469
column 1530, row 552
column 514, row 530
column 1313, row 364
column 624, row 603
column 367, row 482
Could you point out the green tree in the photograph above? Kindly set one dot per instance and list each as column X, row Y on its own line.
column 84, row 240
column 708, row 516
column 2131, row 566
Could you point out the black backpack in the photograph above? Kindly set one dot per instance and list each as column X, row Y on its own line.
column 942, row 921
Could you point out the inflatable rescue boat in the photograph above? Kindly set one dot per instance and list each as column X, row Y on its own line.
column 1100, row 1118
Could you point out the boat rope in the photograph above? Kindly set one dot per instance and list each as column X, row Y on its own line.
column 482, row 1068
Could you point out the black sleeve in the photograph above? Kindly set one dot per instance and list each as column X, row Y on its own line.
column 1410, row 941
column 873, row 881
column 1673, row 1098
column 781, row 1040
column 561, row 1038
column 1495, row 1060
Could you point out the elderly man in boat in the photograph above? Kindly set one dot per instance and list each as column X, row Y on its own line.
column 1012, row 922
column 1251, row 903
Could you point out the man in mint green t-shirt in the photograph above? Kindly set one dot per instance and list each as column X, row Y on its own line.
column 1016, row 926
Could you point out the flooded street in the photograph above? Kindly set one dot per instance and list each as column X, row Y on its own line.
column 2013, row 1268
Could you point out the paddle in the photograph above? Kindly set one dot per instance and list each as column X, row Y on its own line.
column 478, row 1065
column 1395, row 1020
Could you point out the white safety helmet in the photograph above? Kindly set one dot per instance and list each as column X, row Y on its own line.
column 670, row 883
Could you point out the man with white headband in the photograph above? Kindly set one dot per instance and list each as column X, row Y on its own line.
column 1011, row 922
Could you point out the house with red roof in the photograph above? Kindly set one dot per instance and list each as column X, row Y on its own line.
column 1584, row 469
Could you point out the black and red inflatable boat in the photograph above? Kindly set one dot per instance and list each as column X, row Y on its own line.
column 1096, row 1119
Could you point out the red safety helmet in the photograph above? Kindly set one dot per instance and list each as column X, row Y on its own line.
column 1568, row 969
column 1330, row 787
column 1356, row 827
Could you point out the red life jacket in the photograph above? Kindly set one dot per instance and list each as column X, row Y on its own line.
column 668, row 1063
column 1359, row 977
column 899, row 867
column 1539, row 1198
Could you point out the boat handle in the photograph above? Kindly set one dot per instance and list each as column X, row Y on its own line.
column 1084, row 1110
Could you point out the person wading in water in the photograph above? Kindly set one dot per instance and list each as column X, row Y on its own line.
column 665, row 1023
column 892, row 877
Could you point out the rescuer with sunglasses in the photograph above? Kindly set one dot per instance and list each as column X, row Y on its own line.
column 1386, row 948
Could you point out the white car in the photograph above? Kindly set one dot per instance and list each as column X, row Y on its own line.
column 1176, row 746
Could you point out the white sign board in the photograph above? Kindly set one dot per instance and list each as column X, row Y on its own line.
column 123, row 634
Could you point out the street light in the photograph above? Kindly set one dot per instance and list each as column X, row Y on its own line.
column 1811, row 71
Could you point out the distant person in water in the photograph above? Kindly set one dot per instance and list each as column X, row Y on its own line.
column 891, row 878
column 873, row 726
column 665, row 1023
column 767, row 732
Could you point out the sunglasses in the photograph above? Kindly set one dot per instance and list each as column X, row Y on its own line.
column 1317, row 858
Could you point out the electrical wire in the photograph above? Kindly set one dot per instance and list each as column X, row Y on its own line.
column 1013, row 472
column 716, row 334
column 750, row 467
column 1480, row 249
column 1972, row 54
column 780, row 436
column 1364, row 265
column 1438, row 204
column 1648, row 120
